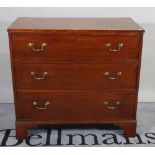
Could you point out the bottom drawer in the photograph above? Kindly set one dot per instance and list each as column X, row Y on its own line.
column 75, row 106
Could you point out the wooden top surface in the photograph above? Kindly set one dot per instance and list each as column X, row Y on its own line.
column 103, row 24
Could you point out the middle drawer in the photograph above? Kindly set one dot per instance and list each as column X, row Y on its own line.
column 76, row 76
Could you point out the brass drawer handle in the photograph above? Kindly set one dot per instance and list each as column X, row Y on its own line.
column 43, row 46
column 108, row 46
column 36, row 77
column 112, row 106
column 35, row 104
column 118, row 74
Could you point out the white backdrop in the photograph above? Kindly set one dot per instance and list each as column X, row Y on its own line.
column 144, row 16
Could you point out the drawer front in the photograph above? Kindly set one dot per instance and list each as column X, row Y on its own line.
column 39, row 48
column 75, row 106
column 76, row 76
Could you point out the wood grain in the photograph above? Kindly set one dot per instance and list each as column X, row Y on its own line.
column 105, row 24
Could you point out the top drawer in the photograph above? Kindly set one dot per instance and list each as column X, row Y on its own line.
column 41, row 48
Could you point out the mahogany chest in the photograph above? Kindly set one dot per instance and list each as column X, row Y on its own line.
column 75, row 71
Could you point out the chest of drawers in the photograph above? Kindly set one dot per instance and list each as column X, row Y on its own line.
column 75, row 71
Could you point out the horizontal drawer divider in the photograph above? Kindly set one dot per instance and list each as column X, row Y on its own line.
column 73, row 62
column 79, row 90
